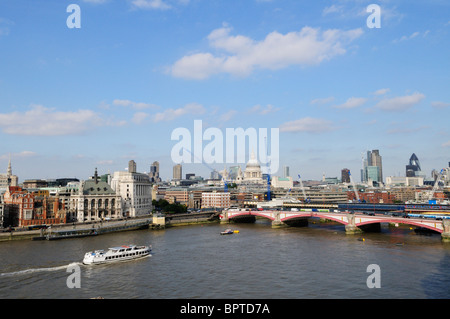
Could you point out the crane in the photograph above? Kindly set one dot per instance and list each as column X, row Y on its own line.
column 354, row 187
column 436, row 184
column 307, row 200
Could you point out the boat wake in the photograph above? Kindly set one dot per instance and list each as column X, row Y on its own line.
column 37, row 270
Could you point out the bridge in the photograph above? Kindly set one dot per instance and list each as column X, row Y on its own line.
column 354, row 222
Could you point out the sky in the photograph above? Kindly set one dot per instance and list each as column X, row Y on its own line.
column 115, row 87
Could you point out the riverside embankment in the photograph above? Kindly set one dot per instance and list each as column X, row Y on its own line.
column 153, row 222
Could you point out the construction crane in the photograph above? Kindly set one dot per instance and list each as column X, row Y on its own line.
column 436, row 184
column 306, row 200
column 354, row 187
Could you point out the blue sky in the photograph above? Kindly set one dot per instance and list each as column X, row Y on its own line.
column 115, row 89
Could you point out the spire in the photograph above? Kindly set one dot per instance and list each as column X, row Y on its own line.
column 96, row 176
column 9, row 172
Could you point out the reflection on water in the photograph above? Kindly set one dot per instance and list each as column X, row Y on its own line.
column 318, row 261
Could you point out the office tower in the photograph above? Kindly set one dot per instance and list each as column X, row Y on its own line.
column 177, row 171
column 376, row 161
column 413, row 169
column 373, row 167
column 285, row 171
column 154, row 172
column 131, row 166
column 345, row 175
column 214, row 175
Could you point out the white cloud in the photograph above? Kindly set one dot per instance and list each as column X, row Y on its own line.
column 407, row 130
column 439, row 104
column 171, row 114
column 135, row 105
column 307, row 124
column 411, row 36
column 331, row 9
column 43, row 121
column 352, row 103
column 258, row 109
column 400, row 103
column 151, row 4
column 322, row 101
column 225, row 117
column 95, row 1
column 23, row 154
column 105, row 162
column 139, row 117
column 381, row 91
column 242, row 55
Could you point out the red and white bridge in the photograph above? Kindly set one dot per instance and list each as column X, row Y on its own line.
column 352, row 221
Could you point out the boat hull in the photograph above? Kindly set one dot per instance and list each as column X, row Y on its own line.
column 118, row 254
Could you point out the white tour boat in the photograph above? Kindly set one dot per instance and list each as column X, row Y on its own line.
column 121, row 253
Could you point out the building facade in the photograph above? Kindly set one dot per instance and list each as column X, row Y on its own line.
column 413, row 169
column 345, row 175
column 253, row 173
column 154, row 173
column 369, row 173
column 177, row 172
column 22, row 208
column 215, row 200
column 135, row 191
column 95, row 200
column 8, row 179
column 178, row 195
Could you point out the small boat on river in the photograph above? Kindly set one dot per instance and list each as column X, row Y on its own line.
column 115, row 254
column 229, row 232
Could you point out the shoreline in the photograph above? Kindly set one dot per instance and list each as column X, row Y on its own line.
column 105, row 227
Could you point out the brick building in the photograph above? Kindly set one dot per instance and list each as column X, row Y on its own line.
column 373, row 197
column 215, row 200
column 23, row 208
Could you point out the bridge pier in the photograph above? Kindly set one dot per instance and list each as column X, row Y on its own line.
column 445, row 236
column 224, row 217
column 351, row 228
column 277, row 223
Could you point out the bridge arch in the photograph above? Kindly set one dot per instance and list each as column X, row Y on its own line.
column 251, row 213
column 404, row 221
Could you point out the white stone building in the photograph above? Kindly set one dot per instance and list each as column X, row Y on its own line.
column 135, row 190
column 93, row 200
column 253, row 173
column 8, row 179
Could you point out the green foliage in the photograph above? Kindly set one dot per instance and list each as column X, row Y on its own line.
column 166, row 207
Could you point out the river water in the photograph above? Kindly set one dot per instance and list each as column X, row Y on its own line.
column 318, row 261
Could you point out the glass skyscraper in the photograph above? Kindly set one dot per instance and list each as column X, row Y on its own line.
column 373, row 167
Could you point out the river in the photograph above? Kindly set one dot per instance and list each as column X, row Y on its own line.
column 196, row 262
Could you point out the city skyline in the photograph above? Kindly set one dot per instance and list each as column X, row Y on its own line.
column 115, row 89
